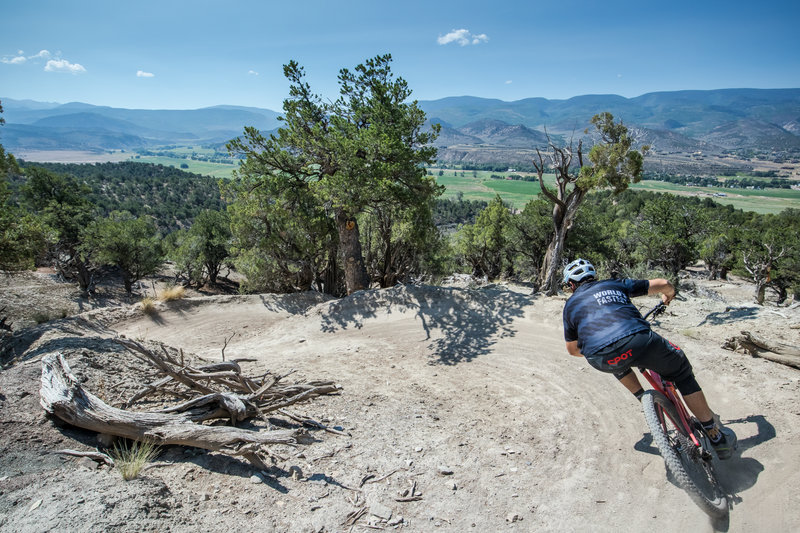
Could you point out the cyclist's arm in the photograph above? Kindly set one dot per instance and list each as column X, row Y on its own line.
column 663, row 287
column 572, row 348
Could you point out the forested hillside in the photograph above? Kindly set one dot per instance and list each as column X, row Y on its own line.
column 171, row 196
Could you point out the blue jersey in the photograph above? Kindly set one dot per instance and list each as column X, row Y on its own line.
column 600, row 313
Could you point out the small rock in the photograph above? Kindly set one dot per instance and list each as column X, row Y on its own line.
column 418, row 449
column 296, row 473
column 255, row 478
column 380, row 510
column 513, row 517
column 444, row 471
column 205, row 496
column 396, row 521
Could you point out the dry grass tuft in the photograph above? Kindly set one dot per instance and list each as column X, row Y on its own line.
column 172, row 293
column 148, row 305
column 131, row 459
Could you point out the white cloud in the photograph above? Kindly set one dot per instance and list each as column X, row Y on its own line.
column 20, row 58
column 16, row 60
column 462, row 37
column 62, row 65
column 143, row 74
column 252, row 72
column 509, row 82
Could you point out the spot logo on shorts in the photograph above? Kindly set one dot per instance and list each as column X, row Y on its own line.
column 621, row 357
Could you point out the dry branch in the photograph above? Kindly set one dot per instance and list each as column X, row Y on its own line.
column 225, row 391
column 100, row 457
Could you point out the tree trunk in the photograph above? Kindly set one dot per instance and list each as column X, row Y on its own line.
column 563, row 218
column 355, row 272
column 213, row 272
column 761, row 289
column 783, row 293
column 85, row 276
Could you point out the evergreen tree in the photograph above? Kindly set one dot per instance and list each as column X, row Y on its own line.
column 483, row 245
column 365, row 150
column 62, row 205
column 131, row 244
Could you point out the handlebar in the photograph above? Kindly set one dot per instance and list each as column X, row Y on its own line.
column 657, row 310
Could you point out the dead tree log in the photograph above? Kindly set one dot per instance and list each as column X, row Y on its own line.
column 758, row 346
column 63, row 397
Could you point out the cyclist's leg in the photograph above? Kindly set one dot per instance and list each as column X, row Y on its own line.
column 671, row 363
column 698, row 405
column 631, row 382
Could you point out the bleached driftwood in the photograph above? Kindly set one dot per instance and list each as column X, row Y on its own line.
column 63, row 397
column 758, row 346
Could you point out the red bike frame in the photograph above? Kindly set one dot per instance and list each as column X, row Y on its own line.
column 667, row 388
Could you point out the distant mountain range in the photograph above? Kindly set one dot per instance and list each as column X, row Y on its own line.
column 34, row 125
column 764, row 120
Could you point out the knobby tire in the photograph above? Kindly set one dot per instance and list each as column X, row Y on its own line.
column 682, row 458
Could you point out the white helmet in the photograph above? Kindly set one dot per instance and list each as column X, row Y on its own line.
column 579, row 270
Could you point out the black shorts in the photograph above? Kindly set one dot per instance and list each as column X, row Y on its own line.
column 649, row 350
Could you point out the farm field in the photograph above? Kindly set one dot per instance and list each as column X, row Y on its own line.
column 206, row 168
column 478, row 185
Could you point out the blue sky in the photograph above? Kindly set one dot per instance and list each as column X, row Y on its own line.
column 186, row 55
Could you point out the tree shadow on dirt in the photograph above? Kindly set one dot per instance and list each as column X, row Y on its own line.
column 294, row 303
column 68, row 333
column 731, row 314
column 461, row 324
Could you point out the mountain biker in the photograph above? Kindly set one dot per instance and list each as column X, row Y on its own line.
column 602, row 325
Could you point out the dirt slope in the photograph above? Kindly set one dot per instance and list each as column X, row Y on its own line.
column 467, row 393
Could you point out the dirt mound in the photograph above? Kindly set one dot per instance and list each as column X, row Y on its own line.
column 461, row 407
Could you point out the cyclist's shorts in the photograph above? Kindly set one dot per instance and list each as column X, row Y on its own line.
column 649, row 350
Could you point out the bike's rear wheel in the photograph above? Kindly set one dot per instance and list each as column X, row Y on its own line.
column 683, row 459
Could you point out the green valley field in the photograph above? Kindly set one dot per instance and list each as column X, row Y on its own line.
column 479, row 185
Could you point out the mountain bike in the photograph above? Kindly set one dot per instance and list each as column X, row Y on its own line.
column 680, row 439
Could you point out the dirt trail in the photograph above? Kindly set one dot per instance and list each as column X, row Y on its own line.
column 470, row 395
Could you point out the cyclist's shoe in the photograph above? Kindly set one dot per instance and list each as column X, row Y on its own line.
column 727, row 441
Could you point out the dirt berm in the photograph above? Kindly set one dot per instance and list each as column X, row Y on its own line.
column 464, row 398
